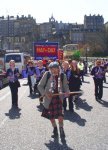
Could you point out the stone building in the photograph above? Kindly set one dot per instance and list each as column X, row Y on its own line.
column 94, row 23
column 17, row 32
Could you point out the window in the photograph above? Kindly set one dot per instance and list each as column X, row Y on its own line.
column 22, row 39
column 16, row 58
column 16, row 39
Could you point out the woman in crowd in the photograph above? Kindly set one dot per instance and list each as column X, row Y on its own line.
column 12, row 75
column 31, row 76
column 67, row 71
column 56, row 83
column 74, row 83
column 40, row 70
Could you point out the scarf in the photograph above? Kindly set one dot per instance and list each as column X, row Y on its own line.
column 56, row 85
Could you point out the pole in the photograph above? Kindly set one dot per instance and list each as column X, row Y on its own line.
column 87, row 50
column 70, row 93
column 86, row 63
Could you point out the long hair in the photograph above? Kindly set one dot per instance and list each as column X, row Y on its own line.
column 74, row 67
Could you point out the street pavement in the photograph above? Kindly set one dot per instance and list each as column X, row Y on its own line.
column 25, row 129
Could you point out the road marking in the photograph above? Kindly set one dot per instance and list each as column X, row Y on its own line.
column 3, row 97
column 6, row 118
column 3, row 122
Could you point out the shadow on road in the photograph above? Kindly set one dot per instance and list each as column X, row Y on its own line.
column 105, row 86
column 81, row 103
column 87, row 75
column 14, row 113
column 74, row 117
column 103, row 102
column 86, row 82
column 25, row 84
column 55, row 145
column 106, row 83
column 33, row 96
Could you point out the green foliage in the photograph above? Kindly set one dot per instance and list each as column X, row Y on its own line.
column 76, row 55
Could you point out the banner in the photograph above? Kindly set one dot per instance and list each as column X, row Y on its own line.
column 45, row 50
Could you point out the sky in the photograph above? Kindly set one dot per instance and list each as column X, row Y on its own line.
column 67, row 11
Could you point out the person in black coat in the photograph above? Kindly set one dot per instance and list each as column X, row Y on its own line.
column 12, row 75
column 74, row 83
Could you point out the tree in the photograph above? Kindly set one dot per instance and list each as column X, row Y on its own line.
column 76, row 55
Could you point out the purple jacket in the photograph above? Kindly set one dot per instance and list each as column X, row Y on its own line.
column 98, row 72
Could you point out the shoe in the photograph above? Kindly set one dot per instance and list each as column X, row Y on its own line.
column 13, row 106
column 55, row 133
column 41, row 99
column 71, row 110
column 99, row 98
column 16, row 106
column 76, row 106
column 96, row 98
column 62, row 134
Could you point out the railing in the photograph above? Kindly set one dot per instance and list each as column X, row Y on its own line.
column 94, row 58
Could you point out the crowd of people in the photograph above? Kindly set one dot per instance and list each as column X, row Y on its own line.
column 56, row 83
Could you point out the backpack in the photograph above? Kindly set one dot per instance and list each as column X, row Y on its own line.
column 49, row 75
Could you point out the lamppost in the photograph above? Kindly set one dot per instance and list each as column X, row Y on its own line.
column 86, row 54
column 0, row 44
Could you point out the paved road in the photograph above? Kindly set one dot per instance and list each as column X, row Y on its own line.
column 86, row 128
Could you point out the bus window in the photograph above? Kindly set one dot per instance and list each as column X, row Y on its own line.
column 16, row 58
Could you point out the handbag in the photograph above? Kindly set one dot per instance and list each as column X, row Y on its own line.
column 17, row 84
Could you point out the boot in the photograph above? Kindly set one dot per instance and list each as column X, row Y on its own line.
column 55, row 132
column 62, row 134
